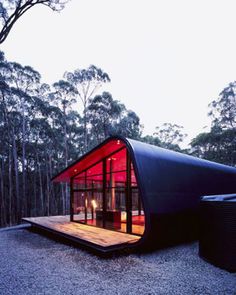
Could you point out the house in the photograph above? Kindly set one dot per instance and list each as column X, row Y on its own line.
column 137, row 190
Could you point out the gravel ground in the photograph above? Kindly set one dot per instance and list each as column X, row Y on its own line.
column 33, row 264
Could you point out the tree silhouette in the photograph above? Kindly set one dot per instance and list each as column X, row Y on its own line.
column 87, row 82
column 12, row 10
column 170, row 135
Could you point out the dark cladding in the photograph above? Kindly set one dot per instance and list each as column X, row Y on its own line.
column 170, row 186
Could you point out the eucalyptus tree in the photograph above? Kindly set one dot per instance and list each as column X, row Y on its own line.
column 9, row 124
column 12, row 10
column 129, row 125
column 220, row 143
column 6, row 194
column 87, row 82
column 103, row 114
column 151, row 139
column 170, row 135
column 64, row 96
column 24, row 81
column 107, row 116
column 217, row 145
column 223, row 109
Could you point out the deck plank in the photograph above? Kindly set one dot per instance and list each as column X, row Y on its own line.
column 95, row 235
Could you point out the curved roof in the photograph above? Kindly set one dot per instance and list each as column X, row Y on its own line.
column 164, row 172
column 169, row 182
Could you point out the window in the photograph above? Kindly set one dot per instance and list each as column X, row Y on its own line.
column 103, row 193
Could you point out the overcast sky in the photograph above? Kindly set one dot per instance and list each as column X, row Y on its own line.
column 167, row 59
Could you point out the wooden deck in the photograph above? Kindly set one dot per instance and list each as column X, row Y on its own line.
column 98, row 238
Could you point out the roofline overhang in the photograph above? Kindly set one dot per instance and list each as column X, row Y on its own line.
column 124, row 139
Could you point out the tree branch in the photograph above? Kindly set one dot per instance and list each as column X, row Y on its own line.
column 20, row 10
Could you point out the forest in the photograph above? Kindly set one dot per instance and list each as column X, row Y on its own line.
column 45, row 127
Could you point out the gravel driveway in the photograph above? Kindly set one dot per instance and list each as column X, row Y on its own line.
column 33, row 264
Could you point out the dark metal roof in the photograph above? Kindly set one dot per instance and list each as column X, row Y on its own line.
column 170, row 184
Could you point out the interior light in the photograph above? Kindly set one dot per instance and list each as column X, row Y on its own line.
column 94, row 204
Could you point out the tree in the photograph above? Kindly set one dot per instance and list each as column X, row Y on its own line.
column 217, row 145
column 223, row 109
column 103, row 113
column 12, row 10
column 24, row 83
column 64, row 96
column 41, row 133
column 220, row 143
column 170, row 135
column 87, row 82
column 154, row 140
column 129, row 125
column 108, row 117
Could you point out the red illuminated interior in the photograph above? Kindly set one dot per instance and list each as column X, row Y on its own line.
column 104, row 189
column 89, row 160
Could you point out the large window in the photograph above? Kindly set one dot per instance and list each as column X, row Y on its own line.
column 106, row 195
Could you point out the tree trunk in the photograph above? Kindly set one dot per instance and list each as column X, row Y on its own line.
column 40, row 185
column 85, row 129
column 10, row 185
column 2, row 196
column 18, row 200
column 24, row 197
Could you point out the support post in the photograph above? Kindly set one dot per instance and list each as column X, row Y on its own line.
column 139, row 205
column 112, row 186
column 92, row 208
column 128, row 195
column 71, row 199
column 104, row 197
column 85, row 200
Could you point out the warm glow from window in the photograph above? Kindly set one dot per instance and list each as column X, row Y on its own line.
column 94, row 204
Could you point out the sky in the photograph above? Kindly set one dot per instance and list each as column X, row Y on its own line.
column 167, row 60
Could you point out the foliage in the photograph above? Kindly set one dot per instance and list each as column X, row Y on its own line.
column 151, row 139
column 223, row 109
column 12, row 10
column 103, row 114
column 129, row 125
column 42, row 132
column 87, row 82
column 220, row 143
column 170, row 136
column 217, row 145
column 107, row 117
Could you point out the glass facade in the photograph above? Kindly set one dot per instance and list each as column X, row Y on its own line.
column 106, row 195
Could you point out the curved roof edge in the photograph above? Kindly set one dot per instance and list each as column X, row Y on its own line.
column 160, row 153
column 125, row 140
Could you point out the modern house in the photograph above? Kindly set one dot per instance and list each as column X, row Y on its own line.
column 126, row 188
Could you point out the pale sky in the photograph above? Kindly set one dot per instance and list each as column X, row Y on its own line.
column 167, row 59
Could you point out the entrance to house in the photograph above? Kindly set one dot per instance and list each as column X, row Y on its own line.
column 106, row 195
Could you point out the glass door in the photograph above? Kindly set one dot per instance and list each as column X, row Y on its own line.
column 106, row 195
